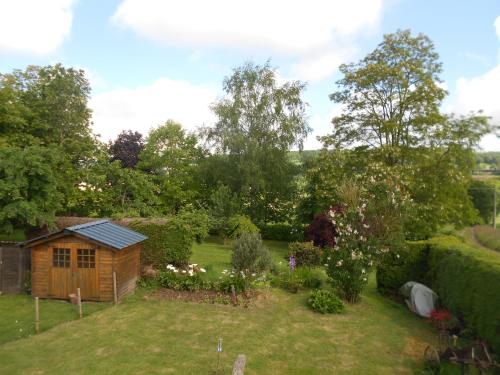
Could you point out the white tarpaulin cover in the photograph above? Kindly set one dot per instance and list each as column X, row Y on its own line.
column 419, row 298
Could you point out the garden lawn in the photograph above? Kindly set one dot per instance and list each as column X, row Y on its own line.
column 278, row 333
column 215, row 256
column 17, row 315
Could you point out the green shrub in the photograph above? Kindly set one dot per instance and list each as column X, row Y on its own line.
column 300, row 278
column 197, row 221
column 282, row 232
column 465, row 279
column 399, row 266
column 224, row 283
column 305, row 253
column 250, row 255
column 325, row 302
column 239, row 224
column 488, row 236
column 169, row 241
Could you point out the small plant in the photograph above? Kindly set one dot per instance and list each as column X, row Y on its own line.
column 250, row 256
column 305, row 253
column 325, row 302
column 301, row 278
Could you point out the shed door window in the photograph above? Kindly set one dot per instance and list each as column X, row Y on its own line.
column 86, row 258
column 61, row 258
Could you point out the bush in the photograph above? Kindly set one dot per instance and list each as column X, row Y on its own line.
column 321, row 231
column 239, row 224
column 305, row 253
column 250, row 255
column 300, row 278
column 488, row 236
column 282, row 232
column 325, row 302
column 197, row 221
column 169, row 241
column 464, row 277
column 398, row 266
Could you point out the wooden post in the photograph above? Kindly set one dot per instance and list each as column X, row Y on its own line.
column 79, row 302
column 115, row 292
column 495, row 208
column 233, row 295
column 239, row 365
column 37, row 316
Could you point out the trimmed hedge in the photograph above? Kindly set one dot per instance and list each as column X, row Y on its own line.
column 282, row 232
column 466, row 279
column 170, row 241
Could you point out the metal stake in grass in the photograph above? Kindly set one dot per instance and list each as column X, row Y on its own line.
column 219, row 351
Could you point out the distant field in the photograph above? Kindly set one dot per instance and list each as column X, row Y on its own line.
column 488, row 236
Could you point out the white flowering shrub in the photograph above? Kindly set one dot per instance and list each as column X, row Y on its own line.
column 349, row 261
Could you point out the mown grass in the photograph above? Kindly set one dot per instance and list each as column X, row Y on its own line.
column 488, row 236
column 17, row 315
column 278, row 333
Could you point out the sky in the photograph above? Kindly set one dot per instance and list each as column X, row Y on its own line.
column 153, row 60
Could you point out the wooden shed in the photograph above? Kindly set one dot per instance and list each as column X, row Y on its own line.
column 86, row 256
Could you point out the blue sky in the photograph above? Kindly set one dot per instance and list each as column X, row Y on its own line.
column 151, row 60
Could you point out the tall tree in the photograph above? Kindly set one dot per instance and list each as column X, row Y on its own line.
column 258, row 121
column 126, row 148
column 172, row 155
column 47, row 106
column 391, row 121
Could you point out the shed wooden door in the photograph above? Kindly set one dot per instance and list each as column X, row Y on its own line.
column 60, row 277
column 73, row 265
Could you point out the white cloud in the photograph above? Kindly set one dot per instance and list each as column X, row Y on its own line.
column 34, row 26
column 480, row 93
column 323, row 65
column 323, row 29
column 145, row 107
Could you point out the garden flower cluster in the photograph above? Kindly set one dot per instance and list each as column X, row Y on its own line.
column 191, row 270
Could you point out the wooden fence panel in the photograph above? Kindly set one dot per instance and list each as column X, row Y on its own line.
column 14, row 263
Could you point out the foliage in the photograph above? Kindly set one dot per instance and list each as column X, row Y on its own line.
column 223, row 204
column 349, row 261
column 250, row 256
column 31, row 186
column 47, row 106
column 488, row 236
column 126, row 148
column 305, row 253
column 481, row 193
column 282, row 232
column 197, row 221
column 239, row 224
column 169, row 241
column 107, row 189
column 325, row 302
column 171, row 155
column 407, row 263
column 391, row 101
column 462, row 277
column 300, row 278
column 321, row 231
column 258, row 120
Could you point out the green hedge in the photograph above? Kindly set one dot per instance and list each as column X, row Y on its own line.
column 282, row 232
column 466, row 279
column 170, row 241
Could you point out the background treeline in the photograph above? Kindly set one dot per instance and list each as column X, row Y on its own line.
column 391, row 134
